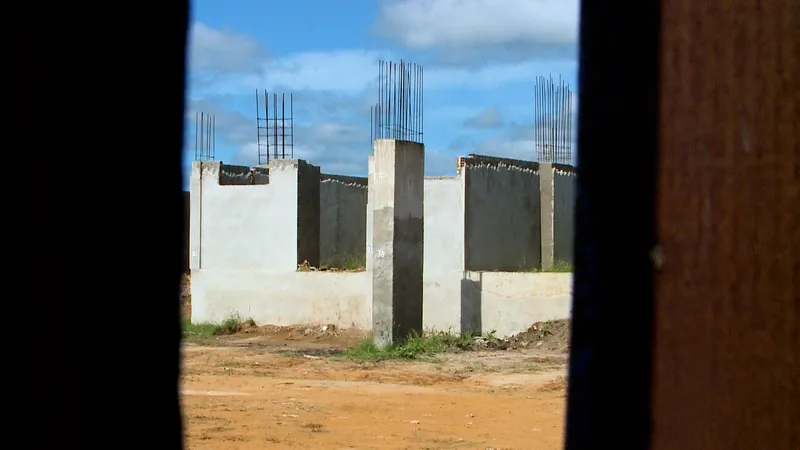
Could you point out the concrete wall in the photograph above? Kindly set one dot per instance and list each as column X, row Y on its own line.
column 508, row 302
column 502, row 216
column 245, row 244
column 185, row 263
column 443, row 256
column 563, row 212
column 397, row 208
column 239, row 222
column 308, row 210
column 443, row 268
column 343, row 219
column 511, row 302
column 289, row 298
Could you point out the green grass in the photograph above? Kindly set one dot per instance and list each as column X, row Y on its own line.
column 424, row 346
column 349, row 262
column 354, row 262
column 560, row 266
column 207, row 330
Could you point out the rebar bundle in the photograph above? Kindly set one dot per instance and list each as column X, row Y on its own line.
column 205, row 136
column 553, row 121
column 398, row 111
column 275, row 136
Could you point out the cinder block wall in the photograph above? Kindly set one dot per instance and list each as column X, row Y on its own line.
column 343, row 219
column 563, row 212
column 502, row 216
column 308, row 211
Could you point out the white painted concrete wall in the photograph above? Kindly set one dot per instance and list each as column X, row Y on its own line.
column 343, row 221
column 509, row 302
column 243, row 226
column 246, row 257
column 443, row 268
column 563, row 213
column 269, row 298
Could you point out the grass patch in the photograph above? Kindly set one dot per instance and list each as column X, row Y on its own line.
column 559, row 266
column 354, row 262
column 348, row 262
column 207, row 330
column 416, row 346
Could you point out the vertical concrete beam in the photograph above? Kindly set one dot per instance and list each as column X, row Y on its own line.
column 370, row 195
column 397, row 198
column 195, row 215
column 296, row 186
column 547, row 208
column 308, row 213
column 370, row 186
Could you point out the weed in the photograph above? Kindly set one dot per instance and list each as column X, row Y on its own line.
column 348, row 262
column 354, row 262
column 560, row 266
column 206, row 330
column 416, row 346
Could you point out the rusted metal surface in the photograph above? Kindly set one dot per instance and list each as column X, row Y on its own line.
column 727, row 306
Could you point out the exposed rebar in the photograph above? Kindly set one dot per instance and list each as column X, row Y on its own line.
column 275, row 135
column 553, row 120
column 204, row 136
column 398, row 112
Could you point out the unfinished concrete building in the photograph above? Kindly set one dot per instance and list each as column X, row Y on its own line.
column 260, row 237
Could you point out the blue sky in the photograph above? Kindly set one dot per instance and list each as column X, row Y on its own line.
column 480, row 59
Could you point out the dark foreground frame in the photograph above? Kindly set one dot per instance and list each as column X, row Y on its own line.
column 692, row 258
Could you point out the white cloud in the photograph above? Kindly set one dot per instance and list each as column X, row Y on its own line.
column 340, row 159
column 425, row 24
column 222, row 51
column 493, row 75
column 354, row 71
column 489, row 118
column 503, row 146
column 344, row 70
column 332, row 95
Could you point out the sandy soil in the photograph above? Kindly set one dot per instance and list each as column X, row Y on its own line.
column 286, row 388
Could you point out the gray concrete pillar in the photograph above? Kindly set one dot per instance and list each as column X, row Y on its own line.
column 396, row 202
column 547, row 208
column 308, row 213
column 296, row 185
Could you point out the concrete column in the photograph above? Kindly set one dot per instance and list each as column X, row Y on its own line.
column 308, row 213
column 370, row 186
column 195, row 214
column 397, row 198
column 295, row 184
column 547, row 208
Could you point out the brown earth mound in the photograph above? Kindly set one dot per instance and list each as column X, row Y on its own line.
column 551, row 336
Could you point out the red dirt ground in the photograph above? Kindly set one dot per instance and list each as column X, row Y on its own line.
column 276, row 387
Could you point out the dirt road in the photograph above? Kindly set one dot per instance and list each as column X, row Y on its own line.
column 280, row 389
